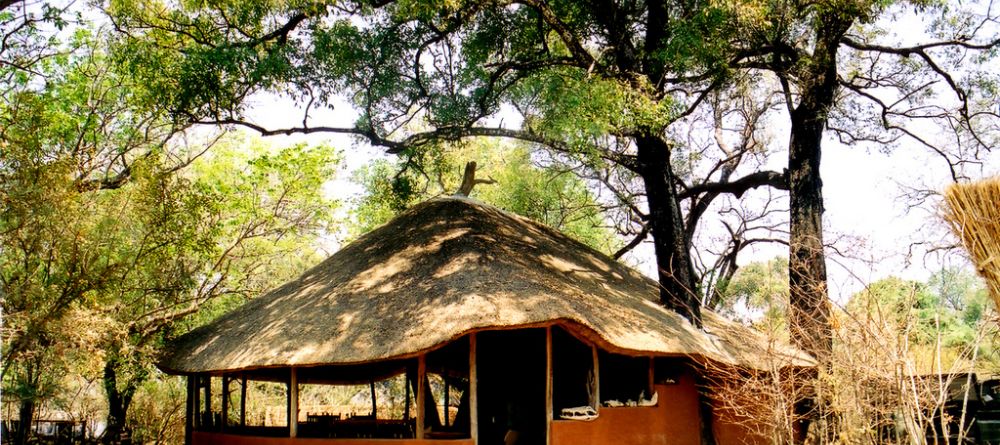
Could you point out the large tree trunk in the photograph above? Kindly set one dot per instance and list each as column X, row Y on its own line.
column 119, row 399
column 809, row 302
column 810, row 308
column 28, row 379
column 25, row 416
column 678, row 289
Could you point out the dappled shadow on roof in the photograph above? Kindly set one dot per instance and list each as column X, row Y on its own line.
column 444, row 268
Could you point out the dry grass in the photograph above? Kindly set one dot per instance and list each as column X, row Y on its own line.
column 973, row 211
column 879, row 387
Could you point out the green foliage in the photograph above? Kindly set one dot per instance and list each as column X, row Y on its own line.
column 948, row 308
column 116, row 234
column 62, row 245
column 28, row 45
column 110, row 244
column 557, row 199
column 758, row 294
column 262, row 209
column 204, row 59
column 130, row 267
column 588, row 80
column 239, row 221
column 579, row 109
column 157, row 414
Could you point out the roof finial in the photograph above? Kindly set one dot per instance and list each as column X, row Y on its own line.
column 469, row 180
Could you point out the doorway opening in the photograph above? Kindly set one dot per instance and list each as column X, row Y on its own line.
column 511, row 387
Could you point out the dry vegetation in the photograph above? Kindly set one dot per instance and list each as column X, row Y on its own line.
column 881, row 387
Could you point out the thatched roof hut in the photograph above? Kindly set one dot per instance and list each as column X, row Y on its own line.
column 442, row 269
column 504, row 310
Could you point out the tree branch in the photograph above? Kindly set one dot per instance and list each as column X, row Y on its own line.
column 469, row 180
column 572, row 42
column 740, row 186
column 639, row 238
column 4, row 4
column 280, row 34
column 921, row 51
column 415, row 140
column 909, row 50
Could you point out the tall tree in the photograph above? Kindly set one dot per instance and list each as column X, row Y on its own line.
column 232, row 225
column 842, row 71
column 758, row 294
column 604, row 82
column 101, row 226
column 67, row 128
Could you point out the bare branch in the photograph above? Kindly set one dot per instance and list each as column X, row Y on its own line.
column 643, row 234
column 740, row 186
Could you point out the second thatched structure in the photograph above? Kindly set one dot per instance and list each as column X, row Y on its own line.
column 973, row 211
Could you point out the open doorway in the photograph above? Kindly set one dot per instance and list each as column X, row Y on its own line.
column 511, row 388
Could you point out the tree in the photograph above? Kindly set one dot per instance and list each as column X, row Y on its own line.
column 235, row 223
column 109, row 246
column 898, row 345
column 757, row 293
column 68, row 128
column 152, row 257
column 947, row 309
column 605, row 83
column 922, row 312
column 842, row 71
column 25, row 44
column 600, row 83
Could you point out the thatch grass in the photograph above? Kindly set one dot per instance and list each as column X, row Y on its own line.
column 973, row 211
column 448, row 267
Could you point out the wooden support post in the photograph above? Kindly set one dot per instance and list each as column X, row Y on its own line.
column 208, row 403
column 597, row 378
column 652, row 377
column 293, row 403
column 421, row 394
column 243, row 400
column 189, row 409
column 406, row 403
column 197, row 401
column 548, row 385
column 447, row 402
column 371, row 385
column 225, row 403
column 473, row 391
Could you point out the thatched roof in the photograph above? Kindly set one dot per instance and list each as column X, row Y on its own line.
column 973, row 211
column 445, row 268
